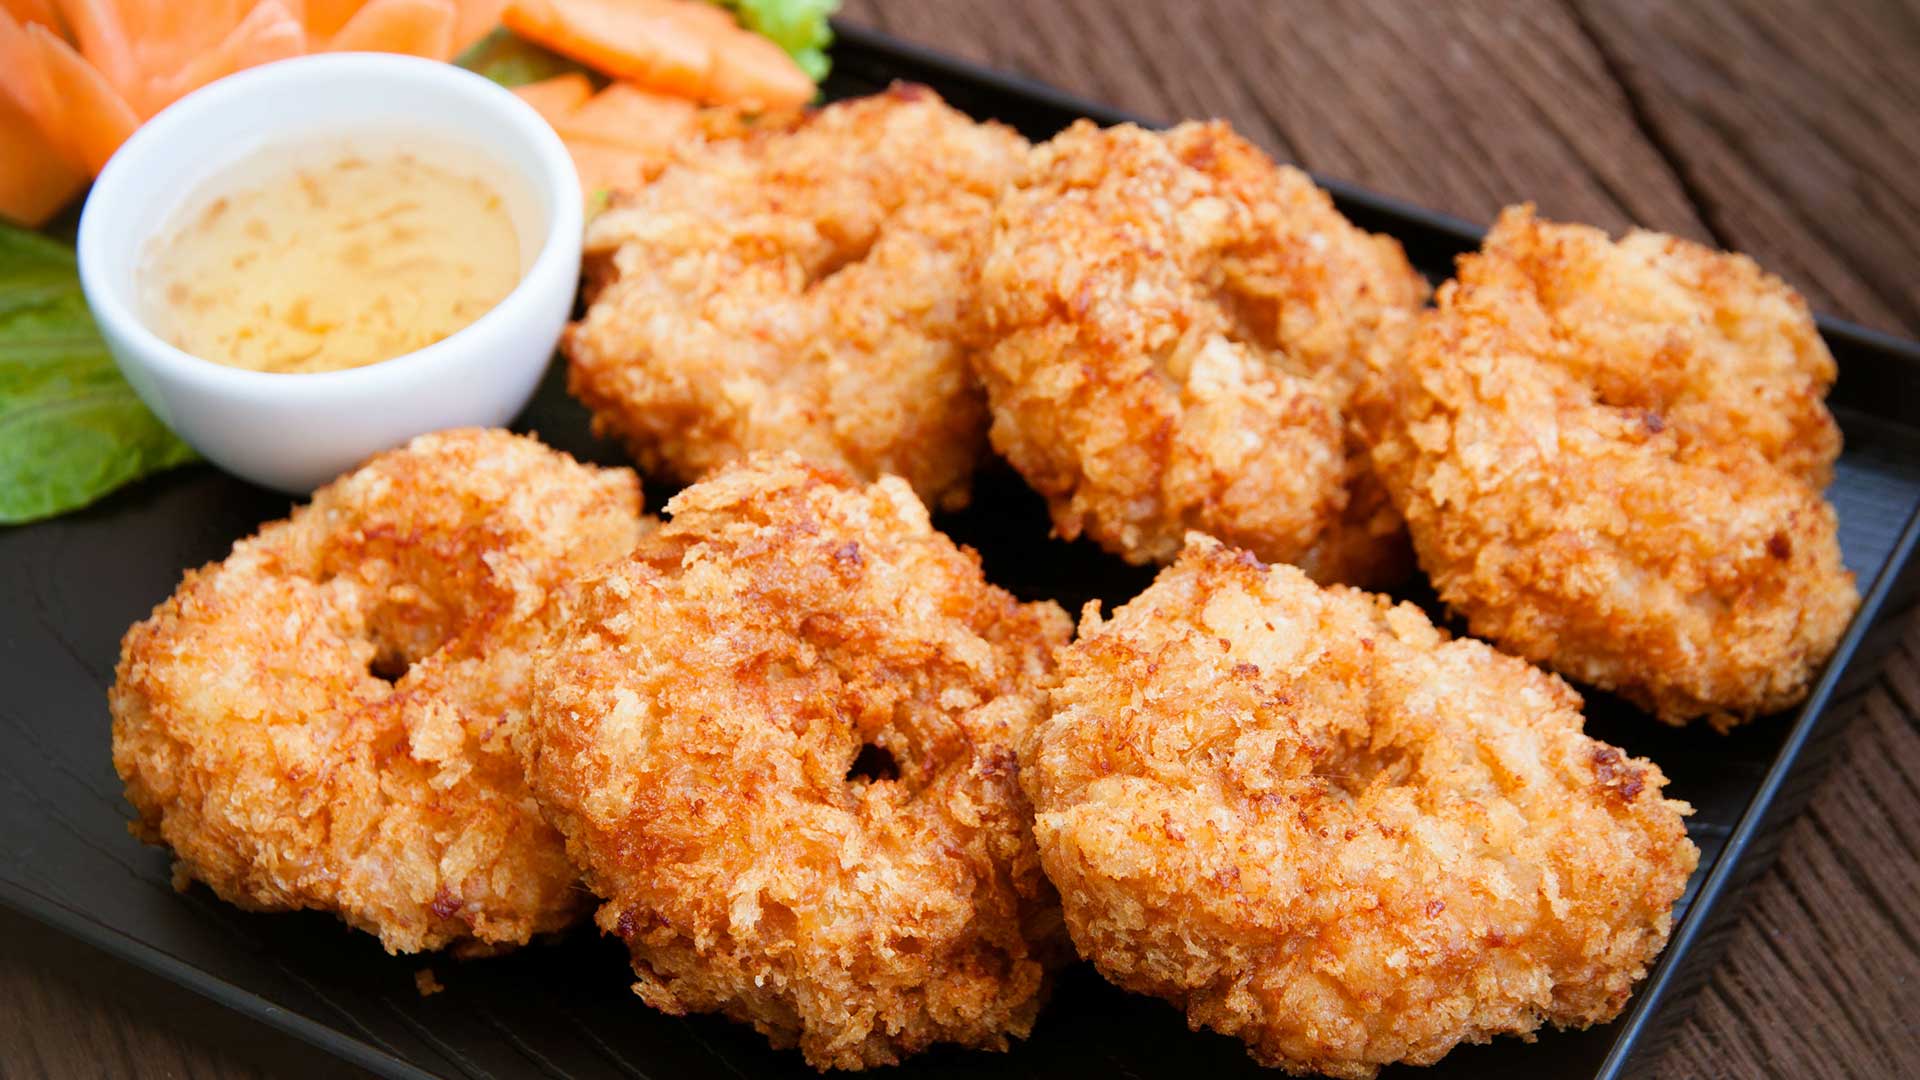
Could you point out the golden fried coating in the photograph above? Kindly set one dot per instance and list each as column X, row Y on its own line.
column 806, row 289
column 1177, row 324
column 321, row 721
column 1610, row 458
column 1314, row 822
column 781, row 740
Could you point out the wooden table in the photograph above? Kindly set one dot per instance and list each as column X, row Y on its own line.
column 1786, row 130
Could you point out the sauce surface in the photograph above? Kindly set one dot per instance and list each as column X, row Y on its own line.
column 336, row 261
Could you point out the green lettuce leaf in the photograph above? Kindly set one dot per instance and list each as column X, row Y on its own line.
column 71, row 429
column 798, row 26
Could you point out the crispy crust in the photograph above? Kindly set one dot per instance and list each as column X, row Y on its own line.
column 256, row 740
column 806, row 289
column 1316, row 823
column 1610, row 457
column 694, row 728
column 1176, row 325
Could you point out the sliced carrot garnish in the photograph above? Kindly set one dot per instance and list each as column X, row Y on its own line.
column 28, row 88
column 20, row 74
column 751, row 70
column 106, row 41
column 413, row 27
column 43, row 12
column 271, row 31
column 19, row 70
column 475, row 19
column 81, row 112
column 641, row 40
column 34, row 181
column 607, row 167
column 627, row 116
column 326, row 17
column 556, row 97
column 687, row 48
column 167, row 35
column 748, row 69
column 708, row 20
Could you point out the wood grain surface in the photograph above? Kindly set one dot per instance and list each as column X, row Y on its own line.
column 1789, row 130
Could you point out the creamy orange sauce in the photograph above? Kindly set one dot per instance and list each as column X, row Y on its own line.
column 333, row 262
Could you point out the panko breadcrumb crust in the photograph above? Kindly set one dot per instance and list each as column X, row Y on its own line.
column 699, row 734
column 809, row 288
column 260, row 738
column 1175, row 325
column 1610, row 457
column 1316, row 823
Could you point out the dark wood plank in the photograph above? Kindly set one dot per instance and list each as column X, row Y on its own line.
column 1811, row 983
column 1464, row 108
column 70, row 1012
column 1794, row 124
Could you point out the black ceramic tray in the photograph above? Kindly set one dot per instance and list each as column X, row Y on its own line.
column 70, row 587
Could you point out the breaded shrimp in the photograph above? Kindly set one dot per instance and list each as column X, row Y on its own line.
column 780, row 739
column 1315, row 823
column 805, row 289
column 321, row 721
column 1175, row 327
column 1611, row 455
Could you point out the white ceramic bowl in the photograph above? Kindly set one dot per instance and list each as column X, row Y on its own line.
column 295, row 432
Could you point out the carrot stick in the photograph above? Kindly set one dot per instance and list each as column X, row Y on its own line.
column 107, row 43
column 627, row 116
column 607, row 167
column 326, row 17
column 34, row 11
column 474, row 20
column 79, row 111
column 751, row 70
column 414, row 27
column 35, row 181
column 271, row 31
column 641, row 40
column 556, row 97
column 167, row 35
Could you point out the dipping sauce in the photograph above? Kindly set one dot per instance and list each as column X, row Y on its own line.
column 331, row 260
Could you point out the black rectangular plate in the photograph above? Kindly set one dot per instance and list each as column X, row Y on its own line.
column 70, row 587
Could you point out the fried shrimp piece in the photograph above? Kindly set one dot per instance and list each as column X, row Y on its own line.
column 1176, row 325
column 806, row 289
column 1611, row 455
column 1313, row 821
column 781, row 740
column 321, row 721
